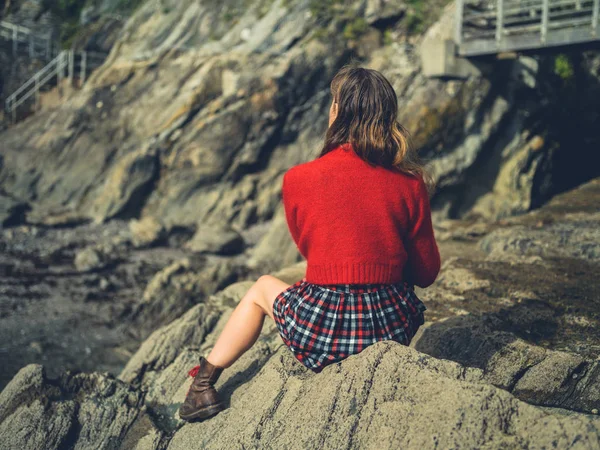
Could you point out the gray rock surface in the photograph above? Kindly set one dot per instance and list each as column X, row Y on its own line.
column 178, row 287
column 82, row 411
column 89, row 259
column 239, row 97
column 146, row 232
column 12, row 212
column 220, row 239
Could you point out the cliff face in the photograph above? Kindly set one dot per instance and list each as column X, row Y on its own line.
column 202, row 106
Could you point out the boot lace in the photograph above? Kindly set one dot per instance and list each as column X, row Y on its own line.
column 194, row 371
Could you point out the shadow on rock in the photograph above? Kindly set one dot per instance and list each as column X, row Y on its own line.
column 505, row 346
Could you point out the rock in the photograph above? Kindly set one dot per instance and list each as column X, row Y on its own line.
column 83, row 411
column 12, row 212
column 89, row 259
column 364, row 401
column 369, row 401
column 127, row 185
column 384, row 12
column 164, row 345
column 274, row 248
column 178, row 287
column 531, row 373
column 223, row 128
column 146, row 231
column 577, row 239
column 222, row 240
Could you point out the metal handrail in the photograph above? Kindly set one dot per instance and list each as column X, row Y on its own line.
column 20, row 34
column 505, row 25
column 64, row 62
column 61, row 65
column 41, row 72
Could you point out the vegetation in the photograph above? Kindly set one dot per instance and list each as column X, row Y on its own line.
column 337, row 11
column 563, row 67
column 388, row 37
column 68, row 12
column 355, row 28
column 421, row 14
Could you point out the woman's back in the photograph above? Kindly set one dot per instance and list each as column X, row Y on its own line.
column 359, row 223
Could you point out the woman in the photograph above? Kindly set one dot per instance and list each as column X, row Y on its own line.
column 360, row 215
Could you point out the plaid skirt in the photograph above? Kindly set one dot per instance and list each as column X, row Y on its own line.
column 323, row 324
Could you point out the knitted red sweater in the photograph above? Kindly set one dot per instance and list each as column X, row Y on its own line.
column 355, row 223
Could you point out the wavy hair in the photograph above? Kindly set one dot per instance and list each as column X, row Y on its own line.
column 367, row 112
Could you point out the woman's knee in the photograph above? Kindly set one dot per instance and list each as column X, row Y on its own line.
column 260, row 291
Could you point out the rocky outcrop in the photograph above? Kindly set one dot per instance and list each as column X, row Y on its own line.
column 238, row 98
column 507, row 358
column 218, row 239
column 178, row 287
column 521, row 305
column 41, row 413
column 388, row 396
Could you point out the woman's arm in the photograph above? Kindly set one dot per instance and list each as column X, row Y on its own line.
column 423, row 263
column 290, row 210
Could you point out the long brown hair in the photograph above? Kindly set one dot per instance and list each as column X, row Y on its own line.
column 367, row 111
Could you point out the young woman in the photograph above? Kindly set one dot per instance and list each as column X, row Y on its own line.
column 360, row 215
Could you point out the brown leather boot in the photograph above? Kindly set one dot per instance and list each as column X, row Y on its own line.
column 202, row 399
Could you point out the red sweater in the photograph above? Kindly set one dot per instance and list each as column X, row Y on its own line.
column 355, row 223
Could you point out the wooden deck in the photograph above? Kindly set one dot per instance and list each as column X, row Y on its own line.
column 493, row 26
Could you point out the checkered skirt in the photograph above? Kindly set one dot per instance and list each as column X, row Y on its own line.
column 323, row 324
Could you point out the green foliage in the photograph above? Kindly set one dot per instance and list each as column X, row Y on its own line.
column 563, row 67
column 325, row 10
column 388, row 38
column 416, row 16
column 68, row 12
column 355, row 28
column 421, row 14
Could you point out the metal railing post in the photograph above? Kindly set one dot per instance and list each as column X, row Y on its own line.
column 71, row 68
column 459, row 20
column 15, row 34
column 83, row 66
column 544, row 30
column 37, row 92
column 499, row 22
column 49, row 45
column 59, row 73
column 595, row 17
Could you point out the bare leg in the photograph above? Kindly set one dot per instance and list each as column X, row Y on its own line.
column 245, row 324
